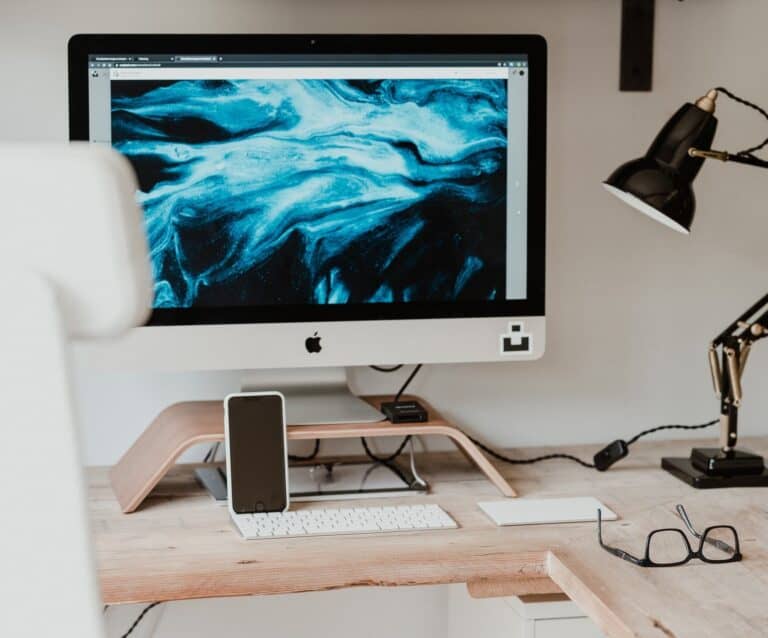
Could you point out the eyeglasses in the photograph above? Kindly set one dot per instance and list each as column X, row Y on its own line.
column 669, row 547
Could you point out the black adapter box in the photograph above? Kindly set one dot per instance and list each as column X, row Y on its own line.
column 404, row 412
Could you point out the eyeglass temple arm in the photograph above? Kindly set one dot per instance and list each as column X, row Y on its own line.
column 684, row 515
column 716, row 542
column 614, row 550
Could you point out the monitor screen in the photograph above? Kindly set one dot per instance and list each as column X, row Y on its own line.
column 326, row 186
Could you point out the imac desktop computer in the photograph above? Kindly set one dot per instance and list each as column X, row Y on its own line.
column 326, row 201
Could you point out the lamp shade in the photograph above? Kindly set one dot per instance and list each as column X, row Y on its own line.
column 660, row 184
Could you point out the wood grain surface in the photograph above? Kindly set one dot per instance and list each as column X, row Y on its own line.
column 180, row 545
column 182, row 425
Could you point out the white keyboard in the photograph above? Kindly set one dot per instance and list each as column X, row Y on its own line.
column 343, row 520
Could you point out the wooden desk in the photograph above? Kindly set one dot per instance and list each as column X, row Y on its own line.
column 180, row 545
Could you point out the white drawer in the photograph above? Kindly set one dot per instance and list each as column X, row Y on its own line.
column 566, row 627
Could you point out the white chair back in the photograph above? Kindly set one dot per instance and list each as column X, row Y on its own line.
column 73, row 261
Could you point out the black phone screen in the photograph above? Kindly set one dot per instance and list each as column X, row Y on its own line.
column 257, row 453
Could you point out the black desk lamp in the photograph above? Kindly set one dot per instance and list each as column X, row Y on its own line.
column 660, row 185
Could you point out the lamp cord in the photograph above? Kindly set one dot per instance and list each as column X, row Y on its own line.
column 535, row 459
column 671, row 427
column 747, row 152
column 575, row 459
column 506, row 459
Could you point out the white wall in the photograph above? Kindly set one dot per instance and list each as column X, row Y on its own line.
column 631, row 305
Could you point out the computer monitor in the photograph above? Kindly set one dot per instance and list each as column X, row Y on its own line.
column 328, row 200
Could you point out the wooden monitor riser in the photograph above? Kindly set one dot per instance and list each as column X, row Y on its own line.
column 185, row 424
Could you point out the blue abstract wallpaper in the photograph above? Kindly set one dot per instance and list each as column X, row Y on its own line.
column 269, row 192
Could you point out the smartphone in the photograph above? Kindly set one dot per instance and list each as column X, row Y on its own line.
column 257, row 452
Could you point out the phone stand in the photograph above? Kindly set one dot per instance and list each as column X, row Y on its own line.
column 182, row 425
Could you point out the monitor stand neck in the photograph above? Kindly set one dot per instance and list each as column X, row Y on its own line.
column 314, row 396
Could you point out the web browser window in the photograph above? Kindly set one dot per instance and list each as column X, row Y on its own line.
column 273, row 180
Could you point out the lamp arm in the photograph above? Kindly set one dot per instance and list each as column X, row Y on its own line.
column 735, row 343
column 725, row 156
column 743, row 321
column 763, row 323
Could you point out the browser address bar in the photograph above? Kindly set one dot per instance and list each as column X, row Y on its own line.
column 309, row 73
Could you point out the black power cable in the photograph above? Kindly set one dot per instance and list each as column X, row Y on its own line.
column 385, row 459
column 747, row 152
column 140, row 618
column 308, row 457
column 671, row 427
column 210, row 456
column 535, row 459
column 404, row 442
column 604, row 458
column 405, row 385
column 387, row 369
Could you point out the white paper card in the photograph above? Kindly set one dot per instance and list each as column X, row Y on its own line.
column 539, row 511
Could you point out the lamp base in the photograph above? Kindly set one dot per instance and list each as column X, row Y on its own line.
column 734, row 469
column 716, row 462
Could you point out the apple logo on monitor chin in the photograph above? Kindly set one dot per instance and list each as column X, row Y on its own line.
column 312, row 344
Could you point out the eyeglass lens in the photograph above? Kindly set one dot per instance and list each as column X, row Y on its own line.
column 667, row 547
column 719, row 544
